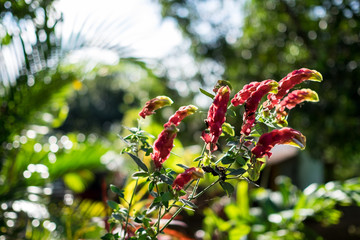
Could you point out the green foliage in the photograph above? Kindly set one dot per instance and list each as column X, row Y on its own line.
column 282, row 214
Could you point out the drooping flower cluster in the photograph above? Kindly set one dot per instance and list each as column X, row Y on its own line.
column 288, row 82
column 165, row 141
column 154, row 104
column 216, row 117
column 244, row 93
column 185, row 177
column 278, row 136
column 180, row 114
column 251, row 95
column 292, row 99
column 163, row 145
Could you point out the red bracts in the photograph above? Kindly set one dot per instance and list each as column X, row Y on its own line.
column 252, row 103
column 278, row 136
column 180, row 114
column 154, row 104
column 216, row 117
column 294, row 98
column 182, row 179
column 163, row 145
column 244, row 93
column 298, row 96
column 165, row 141
column 288, row 82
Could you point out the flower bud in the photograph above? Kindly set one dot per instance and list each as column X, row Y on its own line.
column 292, row 79
column 180, row 114
column 182, row 179
column 154, row 104
column 285, row 135
column 292, row 99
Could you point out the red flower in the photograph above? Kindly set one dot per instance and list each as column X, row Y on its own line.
column 165, row 141
column 154, row 104
column 252, row 103
column 163, row 145
column 288, row 82
column 182, row 179
column 294, row 98
column 278, row 136
column 216, row 117
column 180, row 114
column 244, row 93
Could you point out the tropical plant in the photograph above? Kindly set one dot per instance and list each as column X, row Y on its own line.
column 162, row 191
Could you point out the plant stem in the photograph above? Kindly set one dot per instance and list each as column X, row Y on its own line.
column 182, row 207
column 191, row 197
column 205, row 189
column 194, row 190
column 130, row 204
column 159, row 218
column 220, row 159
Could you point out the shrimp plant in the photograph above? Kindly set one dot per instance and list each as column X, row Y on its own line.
column 264, row 125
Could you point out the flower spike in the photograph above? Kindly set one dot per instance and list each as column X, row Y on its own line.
column 165, row 141
column 292, row 79
column 294, row 98
column 216, row 117
column 154, row 104
column 241, row 97
column 163, row 145
column 182, row 179
column 285, row 135
column 180, row 114
column 252, row 102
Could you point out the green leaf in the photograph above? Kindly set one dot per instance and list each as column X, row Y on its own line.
column 140, row 174
column 227, row 128
column 261, row 128
column 206, row 93
column 236, row 172
column 254, row 171
column 113, row 205
column 166, row 179
column 181, row 192
column 139, row 162
column 188, row 203
column 110, row 236
column 157, row 199
column 227, row 159
column 197, row 159
column 167, row 196
column 231, row 112
column 151, row 186
column 118, row 216
column 182, row 166
column 228, row 188
column 241, row 160
column 117, row 191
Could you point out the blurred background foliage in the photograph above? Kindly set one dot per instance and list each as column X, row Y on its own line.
column 59, row 119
